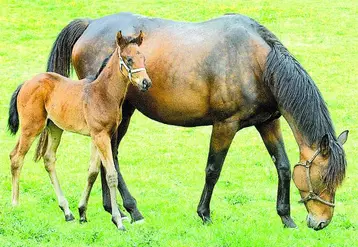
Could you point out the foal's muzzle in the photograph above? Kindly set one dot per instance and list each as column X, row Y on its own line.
column 145, row 85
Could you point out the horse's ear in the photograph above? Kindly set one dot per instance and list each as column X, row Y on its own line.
column 342, row 138
column 139, row 39
column 120, row 40
column 324, row 145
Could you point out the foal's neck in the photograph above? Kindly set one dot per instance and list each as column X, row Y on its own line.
column 111, row 80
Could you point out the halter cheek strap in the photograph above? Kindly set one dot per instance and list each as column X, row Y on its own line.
column 129, row 70
column 311, row 194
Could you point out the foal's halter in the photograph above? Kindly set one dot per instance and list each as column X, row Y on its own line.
column 311, row 194
column 129, row 70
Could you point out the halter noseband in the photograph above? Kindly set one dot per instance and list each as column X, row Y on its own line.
column 311, row 194
column 129, row 70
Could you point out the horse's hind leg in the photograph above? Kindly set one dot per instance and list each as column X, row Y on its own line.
column 54, row 139
column 103, row 144
column 272, row 137
column 29, row 131
column 93, row 171
column 221, row 137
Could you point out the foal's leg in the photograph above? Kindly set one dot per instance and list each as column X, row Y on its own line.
column 129, row 201
column 93, row 171
column 103, row 144
column 31, row 126
column 17, row 160
column 54, row 139
column 221, row 137
column 272, row 137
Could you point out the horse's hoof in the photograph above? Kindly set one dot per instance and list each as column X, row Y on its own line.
column 138, row 222
column 83, row 220
column 69, row 217
column 206, row 220
column 288, row 222
column 136, row 216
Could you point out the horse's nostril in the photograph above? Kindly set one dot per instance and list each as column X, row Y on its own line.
column 146, row 84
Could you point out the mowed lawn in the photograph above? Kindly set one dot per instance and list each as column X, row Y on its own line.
column 164, row 165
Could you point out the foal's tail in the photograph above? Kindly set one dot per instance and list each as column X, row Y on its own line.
column 13, row 121
column 59, row 61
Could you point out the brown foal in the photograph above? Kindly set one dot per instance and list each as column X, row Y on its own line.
column 93, row 109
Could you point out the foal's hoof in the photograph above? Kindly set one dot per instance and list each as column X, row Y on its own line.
column 288, row 222
column 69, row 217
column 118, row 222
column 121, row 228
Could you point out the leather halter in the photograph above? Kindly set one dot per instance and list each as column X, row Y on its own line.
column 311, row 194
column 129, row 70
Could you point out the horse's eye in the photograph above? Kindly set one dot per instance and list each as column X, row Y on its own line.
column 130, row 61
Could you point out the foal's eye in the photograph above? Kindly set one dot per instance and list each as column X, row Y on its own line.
column 130, row 61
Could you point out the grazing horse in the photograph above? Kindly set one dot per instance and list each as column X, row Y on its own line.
column 92, row 109
column 231, row 73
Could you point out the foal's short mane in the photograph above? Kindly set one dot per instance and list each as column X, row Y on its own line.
column 127, row 40
column 297, row 94
column 104, row 64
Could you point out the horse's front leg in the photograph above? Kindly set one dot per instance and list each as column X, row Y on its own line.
column 129, row 201
column 102, row 142
column 272, row 137
column 221, row 137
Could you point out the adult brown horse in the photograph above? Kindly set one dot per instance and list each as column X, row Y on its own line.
column 229, row 72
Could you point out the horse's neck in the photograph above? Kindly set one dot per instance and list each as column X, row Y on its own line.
column 302, row 141
column 112, row 81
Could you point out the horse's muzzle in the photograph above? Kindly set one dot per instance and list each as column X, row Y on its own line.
column 316, row 224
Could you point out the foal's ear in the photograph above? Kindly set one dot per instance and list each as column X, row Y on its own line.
column 342, row 138
column 139, row 39
column 324, row 145
column 120, row 40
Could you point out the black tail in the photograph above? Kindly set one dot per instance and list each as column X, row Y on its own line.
column 13, row 122
column 60, row 56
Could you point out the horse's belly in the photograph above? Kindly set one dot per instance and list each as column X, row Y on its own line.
column 182, row 108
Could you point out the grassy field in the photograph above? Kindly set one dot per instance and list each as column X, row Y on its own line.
column 164, row 165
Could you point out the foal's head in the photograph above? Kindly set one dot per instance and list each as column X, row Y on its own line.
column 317, row 177
column 132, row 61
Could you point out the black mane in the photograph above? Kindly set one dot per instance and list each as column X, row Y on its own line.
column 104, row 64
column 297, row 94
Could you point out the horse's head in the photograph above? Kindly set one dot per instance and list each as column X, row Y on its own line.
column 132, row 61
column 320, row 171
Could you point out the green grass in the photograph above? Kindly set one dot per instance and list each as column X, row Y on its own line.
column 164, row 165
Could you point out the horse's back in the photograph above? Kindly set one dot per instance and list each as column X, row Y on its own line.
column 202, row 72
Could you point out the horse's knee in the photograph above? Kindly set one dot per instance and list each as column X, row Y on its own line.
column 49, row 162
column 112, row 179
column 15, row 162
column 284, row 172
column 92, row 175
column 212, row 175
